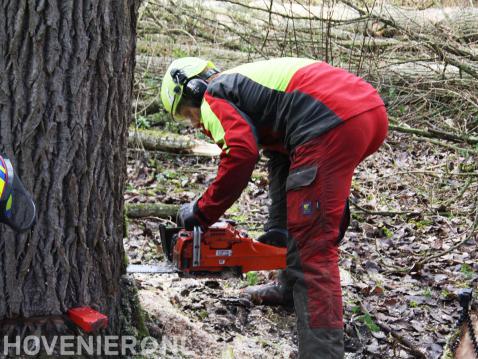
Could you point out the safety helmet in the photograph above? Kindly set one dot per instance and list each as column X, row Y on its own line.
column 177, row 81
column 17, row 208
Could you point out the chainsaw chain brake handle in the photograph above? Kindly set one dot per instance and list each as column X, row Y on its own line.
column 168, row 238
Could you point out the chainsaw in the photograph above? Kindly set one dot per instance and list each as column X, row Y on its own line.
column 222, row 247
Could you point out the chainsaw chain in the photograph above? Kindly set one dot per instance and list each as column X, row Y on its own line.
column 471, row 330
column 465, row 318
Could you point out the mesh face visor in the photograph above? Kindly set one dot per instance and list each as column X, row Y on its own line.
column 17, row 208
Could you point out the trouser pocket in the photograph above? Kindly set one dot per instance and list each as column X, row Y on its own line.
column 303, row 206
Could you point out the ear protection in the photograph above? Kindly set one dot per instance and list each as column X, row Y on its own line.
column 194, row 88
column 194, row 91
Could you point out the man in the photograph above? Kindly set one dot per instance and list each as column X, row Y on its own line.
column 316, row 123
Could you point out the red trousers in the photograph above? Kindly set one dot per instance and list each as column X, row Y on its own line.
column 318, row 188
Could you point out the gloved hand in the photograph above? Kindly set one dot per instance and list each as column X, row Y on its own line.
column 188, row 216
column 274, row 237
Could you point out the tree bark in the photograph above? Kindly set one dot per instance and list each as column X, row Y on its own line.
column 65, row 96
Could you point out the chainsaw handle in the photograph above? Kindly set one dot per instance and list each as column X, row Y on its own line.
column 196, row 246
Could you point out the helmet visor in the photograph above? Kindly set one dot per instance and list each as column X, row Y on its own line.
column 176, row 109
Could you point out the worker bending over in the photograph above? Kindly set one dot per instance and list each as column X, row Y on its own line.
column 316, row 123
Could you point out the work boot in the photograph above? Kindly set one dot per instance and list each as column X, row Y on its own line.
column 270, row 294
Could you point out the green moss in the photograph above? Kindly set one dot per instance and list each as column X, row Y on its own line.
column 251, row 278
column 356, row 309
column 421, row 224
column 132, row 316
column 445, row 294
column 358, row 216
column 368, row 321
column 125, row 223
column 142, row 122
column 467, row 167
column 140, row 321
column 203, row 314
column 427, row 293
column 387, row 232
column 467, row 270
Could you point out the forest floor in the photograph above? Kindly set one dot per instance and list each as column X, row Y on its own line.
column 399, row 265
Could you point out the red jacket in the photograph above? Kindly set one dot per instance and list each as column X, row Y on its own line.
column 276, row 104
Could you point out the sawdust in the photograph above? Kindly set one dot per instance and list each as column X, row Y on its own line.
column 210, row 320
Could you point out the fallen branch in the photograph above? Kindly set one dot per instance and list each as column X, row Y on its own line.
column 169, row 142
column 450, row 146
column 438, row 134
column 141, row 210
column 468, row 175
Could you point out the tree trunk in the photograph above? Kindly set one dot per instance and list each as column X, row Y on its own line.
column 65, row 94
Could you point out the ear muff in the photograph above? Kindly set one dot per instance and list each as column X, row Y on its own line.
column 194, row 91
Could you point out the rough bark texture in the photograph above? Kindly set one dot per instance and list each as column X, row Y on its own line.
column 65, row 92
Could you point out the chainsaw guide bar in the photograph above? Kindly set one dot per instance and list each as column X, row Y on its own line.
column 143, row 268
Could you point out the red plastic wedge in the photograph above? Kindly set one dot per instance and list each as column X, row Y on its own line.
column 89, row 320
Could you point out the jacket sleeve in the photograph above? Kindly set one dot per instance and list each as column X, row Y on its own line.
column 231, row 130
column 278, row 168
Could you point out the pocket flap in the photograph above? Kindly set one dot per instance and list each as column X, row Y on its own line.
column 301, row 177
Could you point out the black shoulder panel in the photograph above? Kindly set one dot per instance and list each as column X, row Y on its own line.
column 297, row 115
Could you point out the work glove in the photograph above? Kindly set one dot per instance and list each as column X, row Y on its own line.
column 188, row 217
column 275, row 237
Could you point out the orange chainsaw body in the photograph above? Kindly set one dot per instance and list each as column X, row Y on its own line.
column 222, row 246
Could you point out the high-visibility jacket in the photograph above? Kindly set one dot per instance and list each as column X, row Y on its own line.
column 276, row 104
